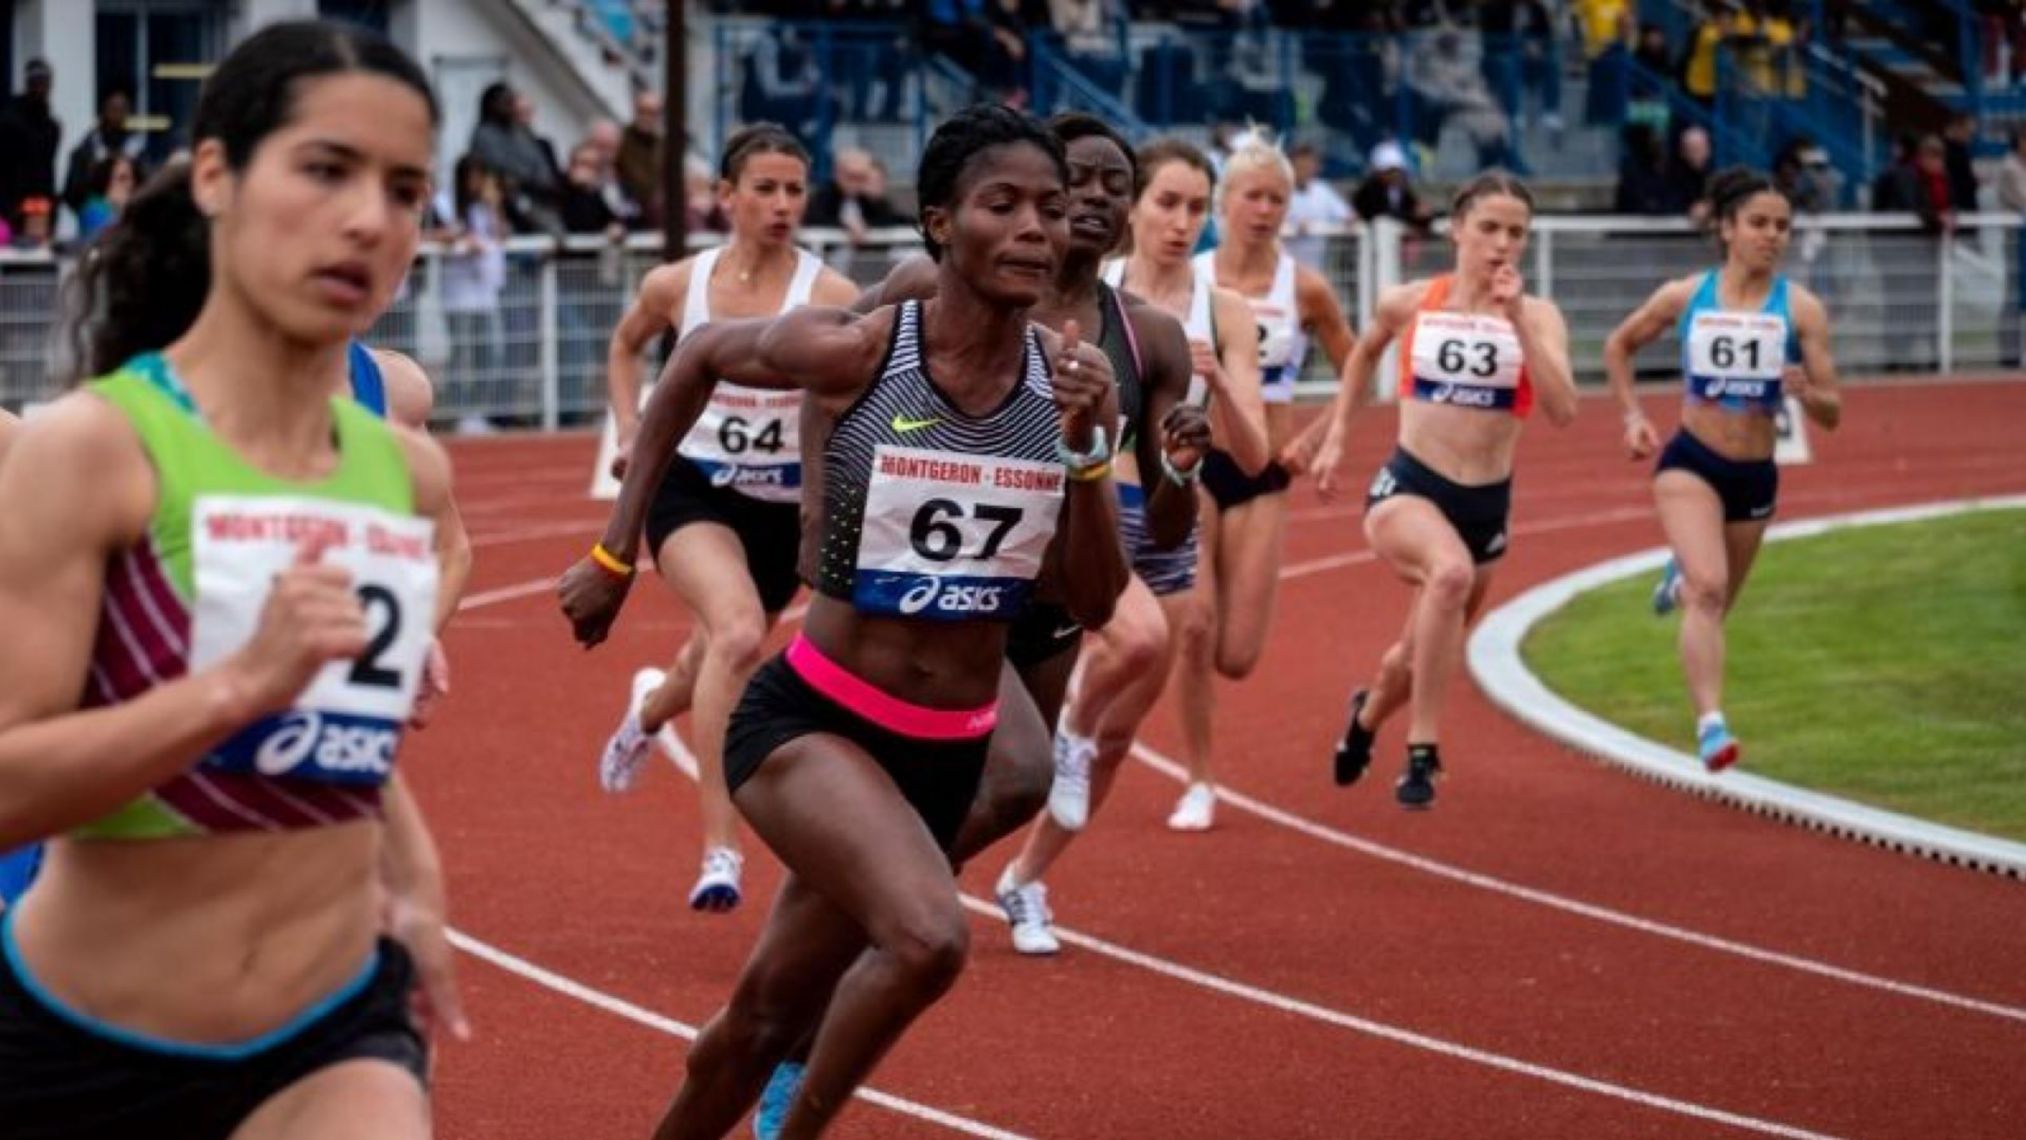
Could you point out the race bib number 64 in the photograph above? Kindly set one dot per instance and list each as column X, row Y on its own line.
column 346, row 723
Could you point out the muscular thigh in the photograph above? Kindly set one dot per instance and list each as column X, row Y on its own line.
column 355, row 1100
column 705, row 564
column 1412, row 535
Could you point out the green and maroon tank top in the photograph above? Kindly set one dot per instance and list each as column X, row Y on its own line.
column 189, row 593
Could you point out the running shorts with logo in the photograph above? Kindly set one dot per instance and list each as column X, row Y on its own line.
column 1478, row 513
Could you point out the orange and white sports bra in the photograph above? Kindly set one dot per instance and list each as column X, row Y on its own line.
column 1470, row 360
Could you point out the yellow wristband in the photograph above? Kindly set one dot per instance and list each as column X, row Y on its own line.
column 1092, row 473
column 610, row 561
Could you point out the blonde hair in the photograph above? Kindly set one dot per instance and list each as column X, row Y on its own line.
column 1254, row 148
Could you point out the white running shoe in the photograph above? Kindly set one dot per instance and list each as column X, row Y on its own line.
column 630, row 746
column 717, row 886
column 1193, row 812
column 1069, row 795
column 1026, row 907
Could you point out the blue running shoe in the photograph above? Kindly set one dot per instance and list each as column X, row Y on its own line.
column 1718, row 747
column 775, row 1100
column 1667, row 594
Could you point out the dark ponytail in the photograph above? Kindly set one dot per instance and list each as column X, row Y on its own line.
column 144, row 280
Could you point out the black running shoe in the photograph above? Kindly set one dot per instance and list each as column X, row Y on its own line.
column 1354, row 751
column 1416, row 789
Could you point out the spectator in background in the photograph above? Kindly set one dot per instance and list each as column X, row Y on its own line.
column 602, row 141
column 471, row 277
column 1803, row 173
column 29, row 134
column 107, row 138
column 1889, row 189
column 1084, row 25
column 1314, row 203
column 855, row 198
column 1699, row 63
column 638, row 163
column 1452, row 93
column 1386, row 193
column 700, row 198
column 1651, row 80
column 2012, row 197
column 1688, row 174
column 584, row 207
column 107, row 190
column 503, row 144
column 782, row 82
column 1607, row 30
column 38, row 223
column 1958, row 138
column 1907, row 270
column 1521, row 56
column 1642, row 174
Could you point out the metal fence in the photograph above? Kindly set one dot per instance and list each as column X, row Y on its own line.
column 1899, row 300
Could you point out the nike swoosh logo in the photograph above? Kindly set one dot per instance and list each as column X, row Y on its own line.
column 903, row 424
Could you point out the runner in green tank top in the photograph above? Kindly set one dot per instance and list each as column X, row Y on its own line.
column 218, row 582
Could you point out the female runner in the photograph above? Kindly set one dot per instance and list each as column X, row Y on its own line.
column 1119, row 686
column 953, row 448
column 1744, row 327
column 1246, row 517
column 724, row 523
column 1476, row 353
column 259, row 557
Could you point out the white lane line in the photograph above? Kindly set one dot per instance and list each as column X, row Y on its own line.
column 540, row 531
column 571, row 988
column 484, row 598
column 1496, row 885
column 1407, row 1037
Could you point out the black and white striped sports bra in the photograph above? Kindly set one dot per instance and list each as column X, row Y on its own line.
column 933, row 514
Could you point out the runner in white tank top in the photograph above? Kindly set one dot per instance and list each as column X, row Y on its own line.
column 724, row 528
column 1242, row 531
column 1119, row 684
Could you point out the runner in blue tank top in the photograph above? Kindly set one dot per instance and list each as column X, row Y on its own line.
column 1749, row 339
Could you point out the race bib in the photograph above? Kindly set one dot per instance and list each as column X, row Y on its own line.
column 346, row 725
column 954, row 537
column 749, row 439
column 1466, row 359
column 1737, row 357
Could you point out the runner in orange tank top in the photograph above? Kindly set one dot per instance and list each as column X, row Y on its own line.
column 1475, row 353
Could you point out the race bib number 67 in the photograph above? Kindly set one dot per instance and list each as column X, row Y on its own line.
column 954, row 537
column 346, row 723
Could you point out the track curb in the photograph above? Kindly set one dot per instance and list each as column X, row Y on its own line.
column 1493, row 654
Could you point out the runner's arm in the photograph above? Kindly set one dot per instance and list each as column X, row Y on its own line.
column 1238, row 415
column 1818, row 391
column 1641, row 328
column 1171, row 506
column 650, row 315
column 1544, row 344
column 79, row 489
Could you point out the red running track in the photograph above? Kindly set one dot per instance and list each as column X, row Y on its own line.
column 1557, row 950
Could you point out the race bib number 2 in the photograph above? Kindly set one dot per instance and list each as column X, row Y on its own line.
column 346, row 724
column 954, row 537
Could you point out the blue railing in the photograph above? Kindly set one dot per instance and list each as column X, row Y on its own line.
column 1058, row 82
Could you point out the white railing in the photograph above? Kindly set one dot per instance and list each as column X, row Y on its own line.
column 1899, row 300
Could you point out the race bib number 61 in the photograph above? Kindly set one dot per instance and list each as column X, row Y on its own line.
column 346, row 723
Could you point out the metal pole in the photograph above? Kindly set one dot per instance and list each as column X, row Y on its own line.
column 1945, row 300
column 674, row 130
column 549, row 359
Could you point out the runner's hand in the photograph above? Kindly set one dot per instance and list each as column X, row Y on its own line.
column 1185, row 436
column 311, row 617
column 1640, row 437
column 591, row 596
column 435, row 1000
column 1329, row 464
column 1082, row 378
column 1203, row 362
column 1508, row 290
column 435, row 685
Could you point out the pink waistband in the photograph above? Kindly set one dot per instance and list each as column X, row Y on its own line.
column 883, row 709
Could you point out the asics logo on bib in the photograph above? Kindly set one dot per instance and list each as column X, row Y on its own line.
column 1742, row 389
column 950, row 598
column 331, row 750
column 1463, row 394
column 904, row 424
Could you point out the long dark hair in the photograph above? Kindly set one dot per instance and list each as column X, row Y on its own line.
column 146, row 279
